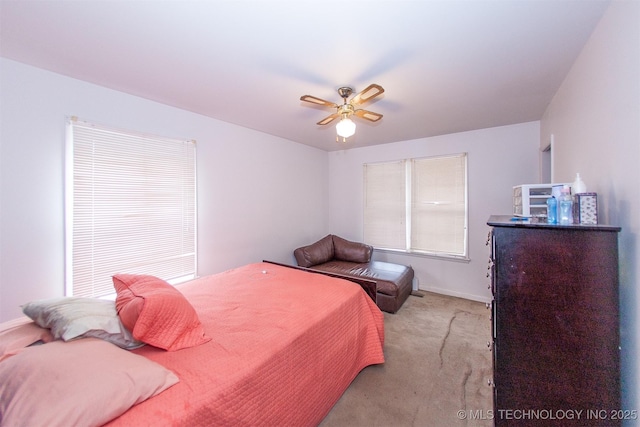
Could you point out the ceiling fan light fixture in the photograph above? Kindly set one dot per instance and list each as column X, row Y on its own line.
column 346, row 127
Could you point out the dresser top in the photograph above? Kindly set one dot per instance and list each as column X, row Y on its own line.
column 511, row 221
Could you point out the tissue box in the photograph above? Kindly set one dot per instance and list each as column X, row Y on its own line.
column 586, row 208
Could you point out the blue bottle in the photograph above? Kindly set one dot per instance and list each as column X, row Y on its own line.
column 552, row 210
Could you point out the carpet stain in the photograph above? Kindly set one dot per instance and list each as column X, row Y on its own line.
column 444, row 340
column 446, row 335
column 463, row 394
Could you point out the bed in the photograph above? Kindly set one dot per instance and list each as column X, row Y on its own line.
column 282, row 346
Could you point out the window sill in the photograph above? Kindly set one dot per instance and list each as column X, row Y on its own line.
column 441, row 257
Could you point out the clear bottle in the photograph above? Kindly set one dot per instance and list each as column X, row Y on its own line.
column 552, row 210
column 566, row 206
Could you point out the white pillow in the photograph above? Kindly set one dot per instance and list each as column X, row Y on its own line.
column 85, row 382
column 75, row 317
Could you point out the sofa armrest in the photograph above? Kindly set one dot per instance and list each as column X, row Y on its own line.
column 316, row 253
column 299, row 255
column 345, row 250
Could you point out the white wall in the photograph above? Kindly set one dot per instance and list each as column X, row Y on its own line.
column 498, row 159
column 595, row 120
column 259, row 196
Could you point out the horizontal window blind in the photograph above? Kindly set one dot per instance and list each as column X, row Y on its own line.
column 438, row 205
column 131, row 207
column 385, row 204
column 417, row 205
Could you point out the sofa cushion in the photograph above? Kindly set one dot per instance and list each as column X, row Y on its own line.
column 390, row 278
column 316, row 253
column 344, row 250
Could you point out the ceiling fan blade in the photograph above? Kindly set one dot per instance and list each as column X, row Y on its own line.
column 317, row 101
column 328, row 119
column 368, row 115
column 370, row 92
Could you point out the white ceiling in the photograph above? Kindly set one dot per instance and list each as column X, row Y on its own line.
column 446, row 66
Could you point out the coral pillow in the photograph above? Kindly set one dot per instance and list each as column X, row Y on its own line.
column 157, row 313
column 85, row 382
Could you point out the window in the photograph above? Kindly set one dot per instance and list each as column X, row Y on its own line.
column 417, row 205
column 130, row 207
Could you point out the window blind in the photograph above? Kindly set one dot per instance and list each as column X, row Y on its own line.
column 130, row 208
column 438, row 205
column 385, row 211
column 417, row 205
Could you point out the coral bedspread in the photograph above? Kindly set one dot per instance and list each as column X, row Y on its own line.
column 285, row 345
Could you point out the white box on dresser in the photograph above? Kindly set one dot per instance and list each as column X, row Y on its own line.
column 530, row 200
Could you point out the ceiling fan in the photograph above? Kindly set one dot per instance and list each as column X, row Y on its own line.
column 346, row 127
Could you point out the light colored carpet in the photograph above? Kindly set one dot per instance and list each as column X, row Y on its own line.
column 436, row 369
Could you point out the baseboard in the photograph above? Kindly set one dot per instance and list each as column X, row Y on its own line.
column 448, row 292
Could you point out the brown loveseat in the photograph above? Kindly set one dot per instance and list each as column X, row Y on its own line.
column 333, row 254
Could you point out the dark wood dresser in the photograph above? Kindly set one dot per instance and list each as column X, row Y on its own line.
column 555, row 324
